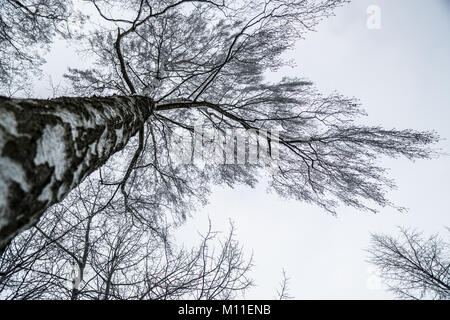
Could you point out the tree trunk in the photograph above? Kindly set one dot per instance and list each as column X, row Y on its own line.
column 47, row 147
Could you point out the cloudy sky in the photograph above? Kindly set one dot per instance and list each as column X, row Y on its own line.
column 401, row 75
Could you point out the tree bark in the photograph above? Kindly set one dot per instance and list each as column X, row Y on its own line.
column 47, row 147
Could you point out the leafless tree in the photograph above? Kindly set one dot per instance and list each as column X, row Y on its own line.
column 166, row 64
column 283, row 291
column 83, row 250
column 414, row 267
column 27, row 28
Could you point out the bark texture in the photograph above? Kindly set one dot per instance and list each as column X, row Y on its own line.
column 47, row 147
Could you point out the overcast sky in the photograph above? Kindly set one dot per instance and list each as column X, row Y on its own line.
column 401, row 74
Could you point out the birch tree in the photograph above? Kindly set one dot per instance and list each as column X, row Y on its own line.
column 165, row 65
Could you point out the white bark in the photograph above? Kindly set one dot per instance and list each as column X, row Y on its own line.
column 47, row 147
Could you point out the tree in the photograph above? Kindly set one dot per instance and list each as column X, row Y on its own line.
column 167, row 64
column 27, row 28
column 283, row 291
column 413, row 267
column 82, row 249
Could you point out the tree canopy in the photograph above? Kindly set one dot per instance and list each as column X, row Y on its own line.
column 413, row 267
column 162, row 66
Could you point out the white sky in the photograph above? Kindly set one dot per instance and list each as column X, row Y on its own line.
column 401, row 74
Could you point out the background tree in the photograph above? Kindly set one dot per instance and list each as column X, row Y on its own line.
column 412, row 266
column 175, row 63
column 27, row 29
column 82, row 249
